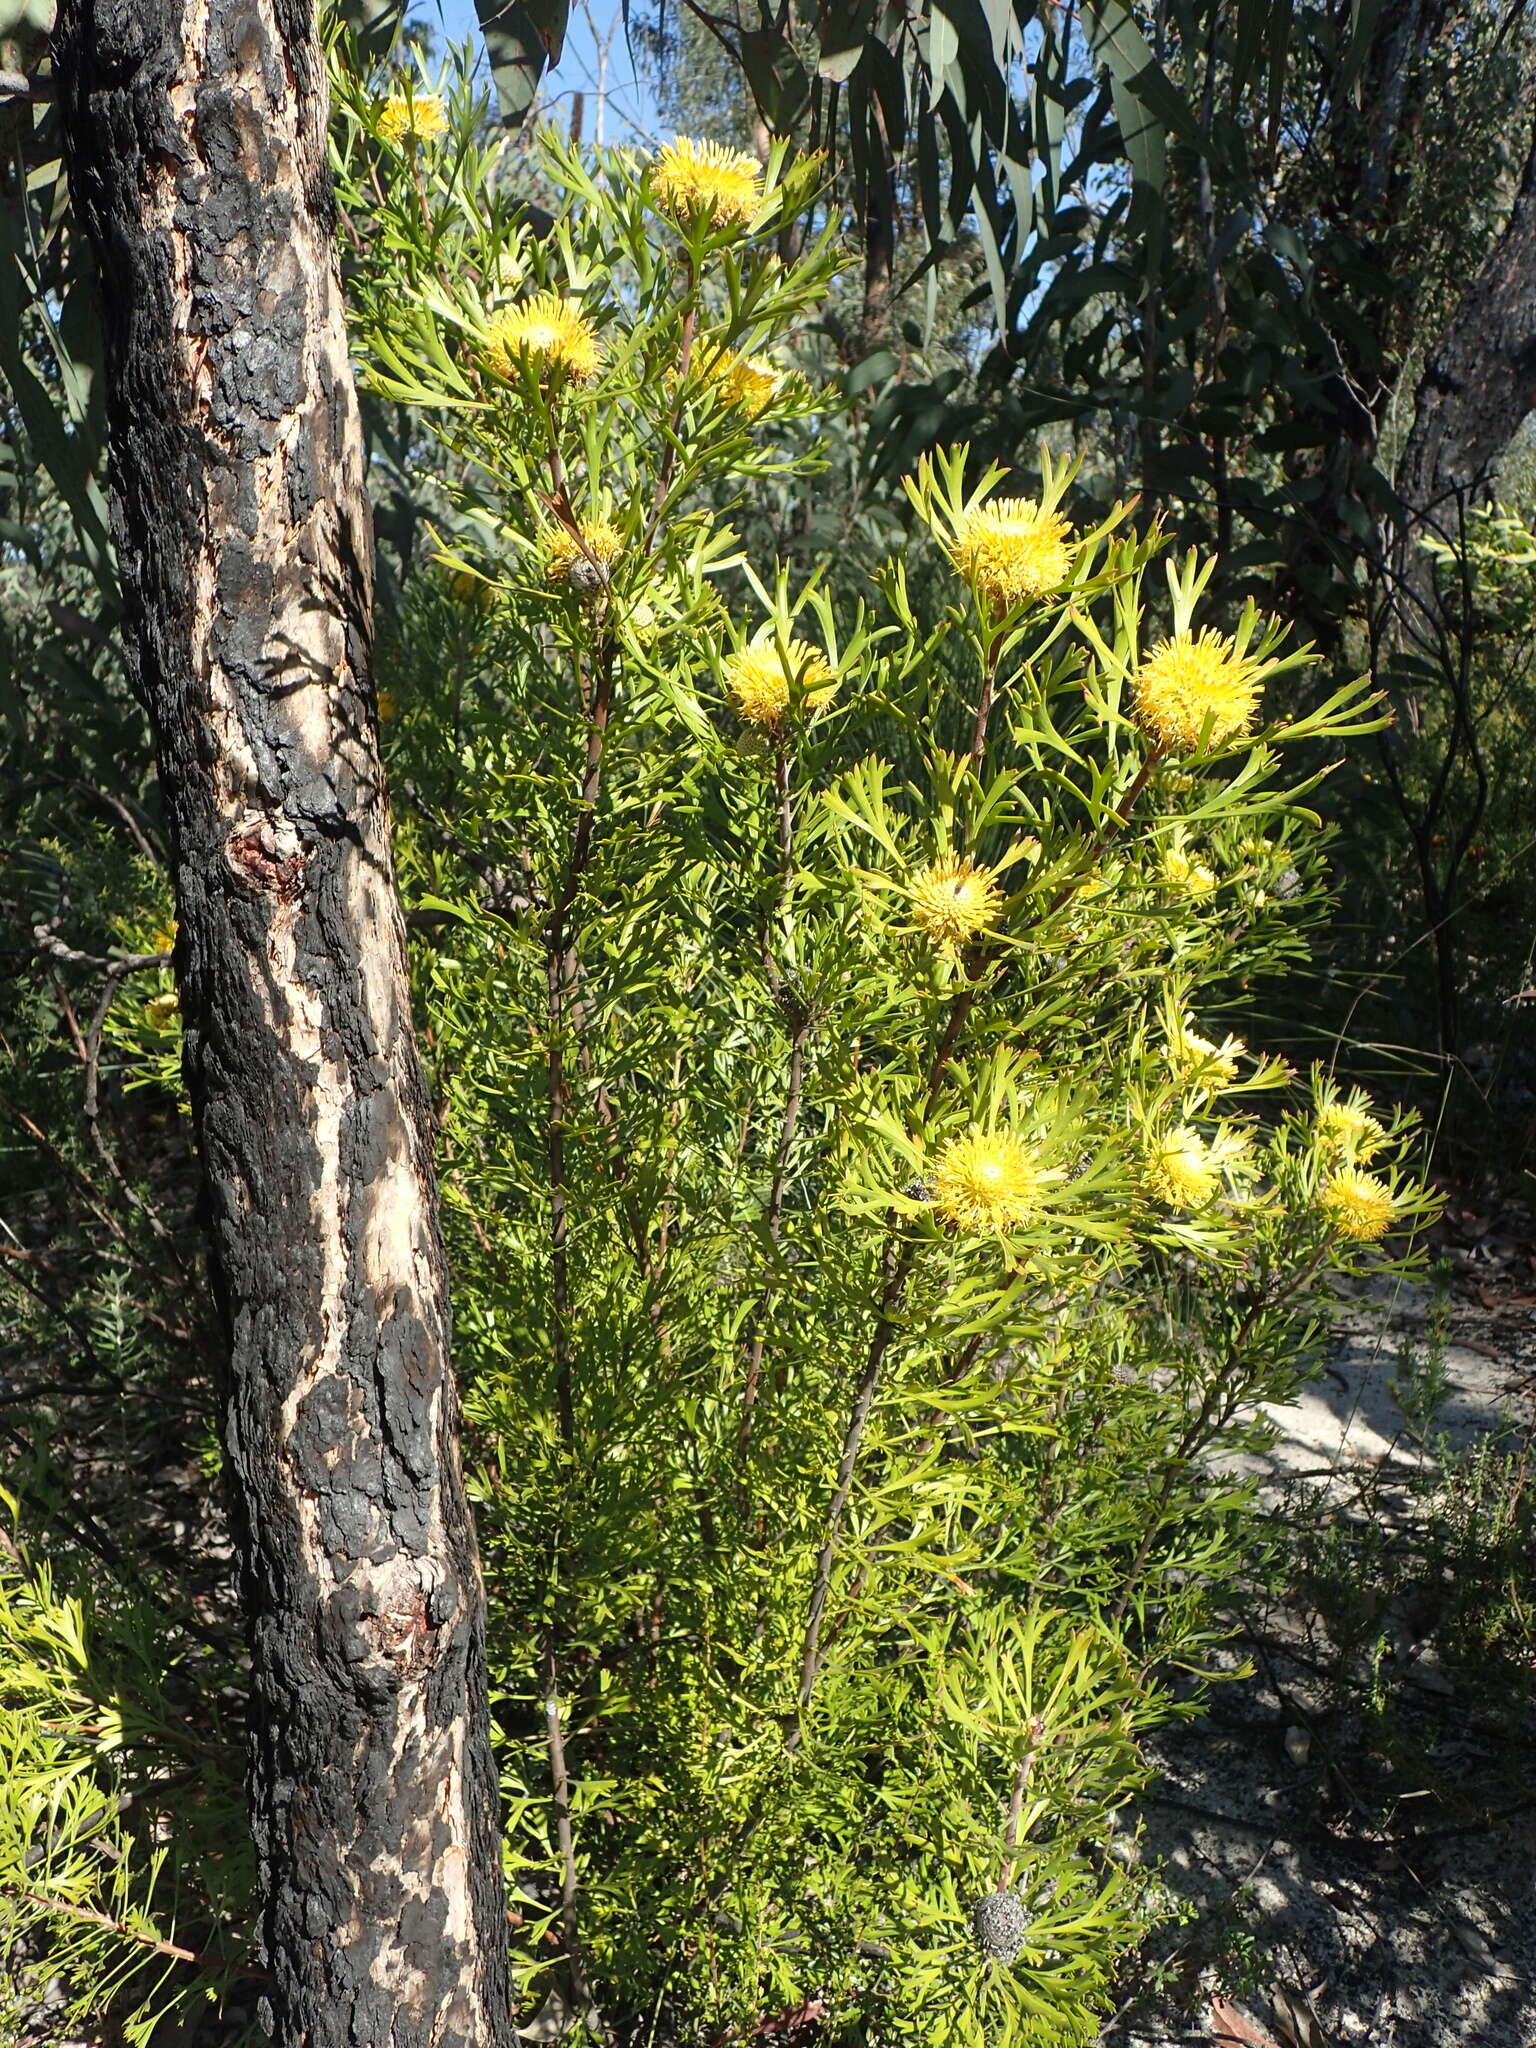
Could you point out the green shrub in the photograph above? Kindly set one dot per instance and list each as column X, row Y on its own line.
column 858, row 1241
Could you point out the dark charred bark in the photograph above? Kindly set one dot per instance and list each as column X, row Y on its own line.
column 1480, row 381
column 196, row 135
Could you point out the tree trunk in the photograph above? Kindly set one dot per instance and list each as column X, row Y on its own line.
column 879, row 241
column 1480, row 381
column 196, row 138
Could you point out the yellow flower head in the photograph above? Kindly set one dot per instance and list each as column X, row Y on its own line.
column 1343, row 1127
column 162, row 939
column 1358, row 1205
column 1190, row 877
column 703, row 179
column 749, row 383
column 547, row 330
column 1189, row 680
column 161, row 1010
column 988, row 1180
column 1195, row 1058
column 469, row 588
column 1012, row 552
column 757, row 681
column 954, row 901
column 386, row 704
column 1181, row 1171
column 582, row 565
column 412, row 117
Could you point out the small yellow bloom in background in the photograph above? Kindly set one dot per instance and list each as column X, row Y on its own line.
column 161, row 1010
column 1346, row 1128
column 548, row 330
column 414, row 117
column 749, row 383
column 988, row 1180
column 1189, row 680
column 693, row 179
column 583, row 565
column 757, row 681
column 953, row 901
column 469, row 588
column 162, row 939
column 1189, row 877
column 1181, row 1171
column 1011, row 552
column 1357, row 1205
column 1198, row 1058
column 386, row 701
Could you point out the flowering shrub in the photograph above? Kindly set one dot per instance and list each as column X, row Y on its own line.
column 863, row 1221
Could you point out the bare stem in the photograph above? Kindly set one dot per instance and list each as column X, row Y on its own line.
column 984, row 704
column 1021, row 1778
column 785, row 814
column 561, row 968
column 774, row 1220
column 898, row 1264
column 791, row 1116
column 669, row 459
column 565, row 1841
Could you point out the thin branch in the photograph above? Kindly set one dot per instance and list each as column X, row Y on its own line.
column 774, row 1219
column 561, row 970
column 898, row 1264
column 173, row 1949
column 984, row 703
column 1021, row 1778
column 570, row 1914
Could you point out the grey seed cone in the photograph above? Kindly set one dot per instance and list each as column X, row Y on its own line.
column 586, row 578
column 1000, row 1923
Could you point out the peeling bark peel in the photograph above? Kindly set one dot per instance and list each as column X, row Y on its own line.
column 196, row 131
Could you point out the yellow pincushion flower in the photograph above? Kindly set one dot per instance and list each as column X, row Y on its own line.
column 161, row 1010
column 1343, row 1127
column 582, row 564
column 1012, row 552
column 954, row 901
column 1197, row 1058
column 1190, row 877
column 693, row 180
column 548, row 330
column 757, row 681
column 1181, row 1170
column 1190, row 680
column 1358, row 1205
column 413, row 117
column 748, row 383
column 988, row 1180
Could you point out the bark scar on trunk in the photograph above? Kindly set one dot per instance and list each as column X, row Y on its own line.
column 268, row 853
